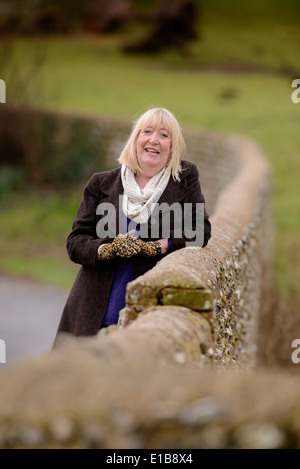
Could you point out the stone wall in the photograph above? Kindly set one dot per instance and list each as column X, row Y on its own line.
column 95, row 395
column 58, row 150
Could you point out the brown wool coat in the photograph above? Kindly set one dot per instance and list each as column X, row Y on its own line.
column 88, row 299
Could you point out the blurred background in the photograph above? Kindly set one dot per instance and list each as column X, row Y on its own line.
column 224, row 66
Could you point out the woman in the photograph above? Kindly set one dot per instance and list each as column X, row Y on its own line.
column 152, row 174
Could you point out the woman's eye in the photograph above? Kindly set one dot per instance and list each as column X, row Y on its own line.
column 165, row 135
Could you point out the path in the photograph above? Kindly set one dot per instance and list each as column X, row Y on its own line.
column 29, row 316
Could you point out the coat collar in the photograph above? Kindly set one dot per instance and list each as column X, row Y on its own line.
column 111, row 185
column 111, row 182
column 174, row 192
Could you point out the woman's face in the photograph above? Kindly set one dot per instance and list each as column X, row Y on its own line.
column 153, row 148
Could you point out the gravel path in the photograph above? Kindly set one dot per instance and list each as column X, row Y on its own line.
column 29, row 317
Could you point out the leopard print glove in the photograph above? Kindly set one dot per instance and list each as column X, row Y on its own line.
column 126, row 245
column 106, row 252
column 149, row 249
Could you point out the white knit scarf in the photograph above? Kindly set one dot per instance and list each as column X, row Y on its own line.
column 139, row 203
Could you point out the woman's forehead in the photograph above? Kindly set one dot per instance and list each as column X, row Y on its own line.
column 156, row 124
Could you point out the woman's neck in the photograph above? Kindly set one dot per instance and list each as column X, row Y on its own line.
column 142, row 180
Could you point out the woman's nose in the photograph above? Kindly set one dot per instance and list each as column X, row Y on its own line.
column 154, row 137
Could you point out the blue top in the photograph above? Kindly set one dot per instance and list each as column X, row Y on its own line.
column 124, row 274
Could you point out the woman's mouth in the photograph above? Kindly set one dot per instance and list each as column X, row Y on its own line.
column 152, row 151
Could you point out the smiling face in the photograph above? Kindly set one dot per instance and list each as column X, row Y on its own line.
column 153, row 148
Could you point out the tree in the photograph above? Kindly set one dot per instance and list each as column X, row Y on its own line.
column 174, row 23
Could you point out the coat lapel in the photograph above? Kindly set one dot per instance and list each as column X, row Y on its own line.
column 112, row 188
column 174, row 192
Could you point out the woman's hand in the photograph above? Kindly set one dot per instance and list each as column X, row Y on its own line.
column 126, row 245
column 105, row 252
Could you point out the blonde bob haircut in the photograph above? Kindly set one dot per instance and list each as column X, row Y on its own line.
column 155, row 118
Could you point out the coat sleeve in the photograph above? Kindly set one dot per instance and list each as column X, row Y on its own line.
column 196, row 222
column 83, row 242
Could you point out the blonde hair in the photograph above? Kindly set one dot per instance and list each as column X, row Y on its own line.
column 154, row 118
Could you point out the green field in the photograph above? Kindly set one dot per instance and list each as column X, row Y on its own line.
column 245, row 93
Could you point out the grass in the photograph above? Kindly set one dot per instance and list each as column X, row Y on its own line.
column 33, row 235
column 92, row 75
column 52, row 270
